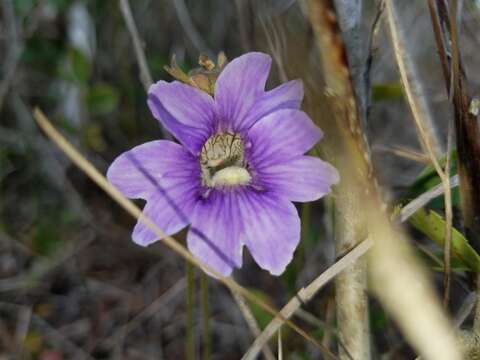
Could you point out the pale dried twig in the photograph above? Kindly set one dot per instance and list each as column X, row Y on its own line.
column 304, row 295
column 447, row 248
column 415, row 96
column 280, row 346
column 423, row 122
column 145, row 75
column 413, row 88
column 423, row 199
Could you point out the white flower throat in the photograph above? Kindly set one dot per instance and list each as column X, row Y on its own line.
column 222, row 161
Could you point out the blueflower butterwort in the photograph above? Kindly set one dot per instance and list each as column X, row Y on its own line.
column 239, row 165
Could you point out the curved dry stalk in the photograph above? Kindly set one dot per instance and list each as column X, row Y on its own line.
column 447, row 248
column 413, row 87
column 304, row 295
column 169, row 241
column 424, row 124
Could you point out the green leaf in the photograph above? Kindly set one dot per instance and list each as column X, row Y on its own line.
column 79, row 65
column 102, row 99
column 432, row 225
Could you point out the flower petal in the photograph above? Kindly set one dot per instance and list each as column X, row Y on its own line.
column 271, row 229
column 170, row 208
column 187, row 112
column 239, row 87
column 187, row 104
column 304, row 179
column 284, row 134
column 137, row 172
column 214, row 236
column 286, row 96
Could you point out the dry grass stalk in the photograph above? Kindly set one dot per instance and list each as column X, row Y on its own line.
column 252, row 324
column 145, row 75
column 411, row 84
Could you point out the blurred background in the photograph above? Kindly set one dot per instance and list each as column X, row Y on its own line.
column 72, row 284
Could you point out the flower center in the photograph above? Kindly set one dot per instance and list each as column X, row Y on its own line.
column 222, row 161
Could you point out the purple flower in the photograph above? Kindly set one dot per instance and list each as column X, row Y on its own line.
column 239, row 166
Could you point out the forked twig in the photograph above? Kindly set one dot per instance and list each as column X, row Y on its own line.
column 304, row 295
column 252, row 324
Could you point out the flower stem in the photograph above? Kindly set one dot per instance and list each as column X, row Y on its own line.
column 190, row 303
column 206, row 316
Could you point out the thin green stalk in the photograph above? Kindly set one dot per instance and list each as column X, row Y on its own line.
column 190, row 340
column 207, row 345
